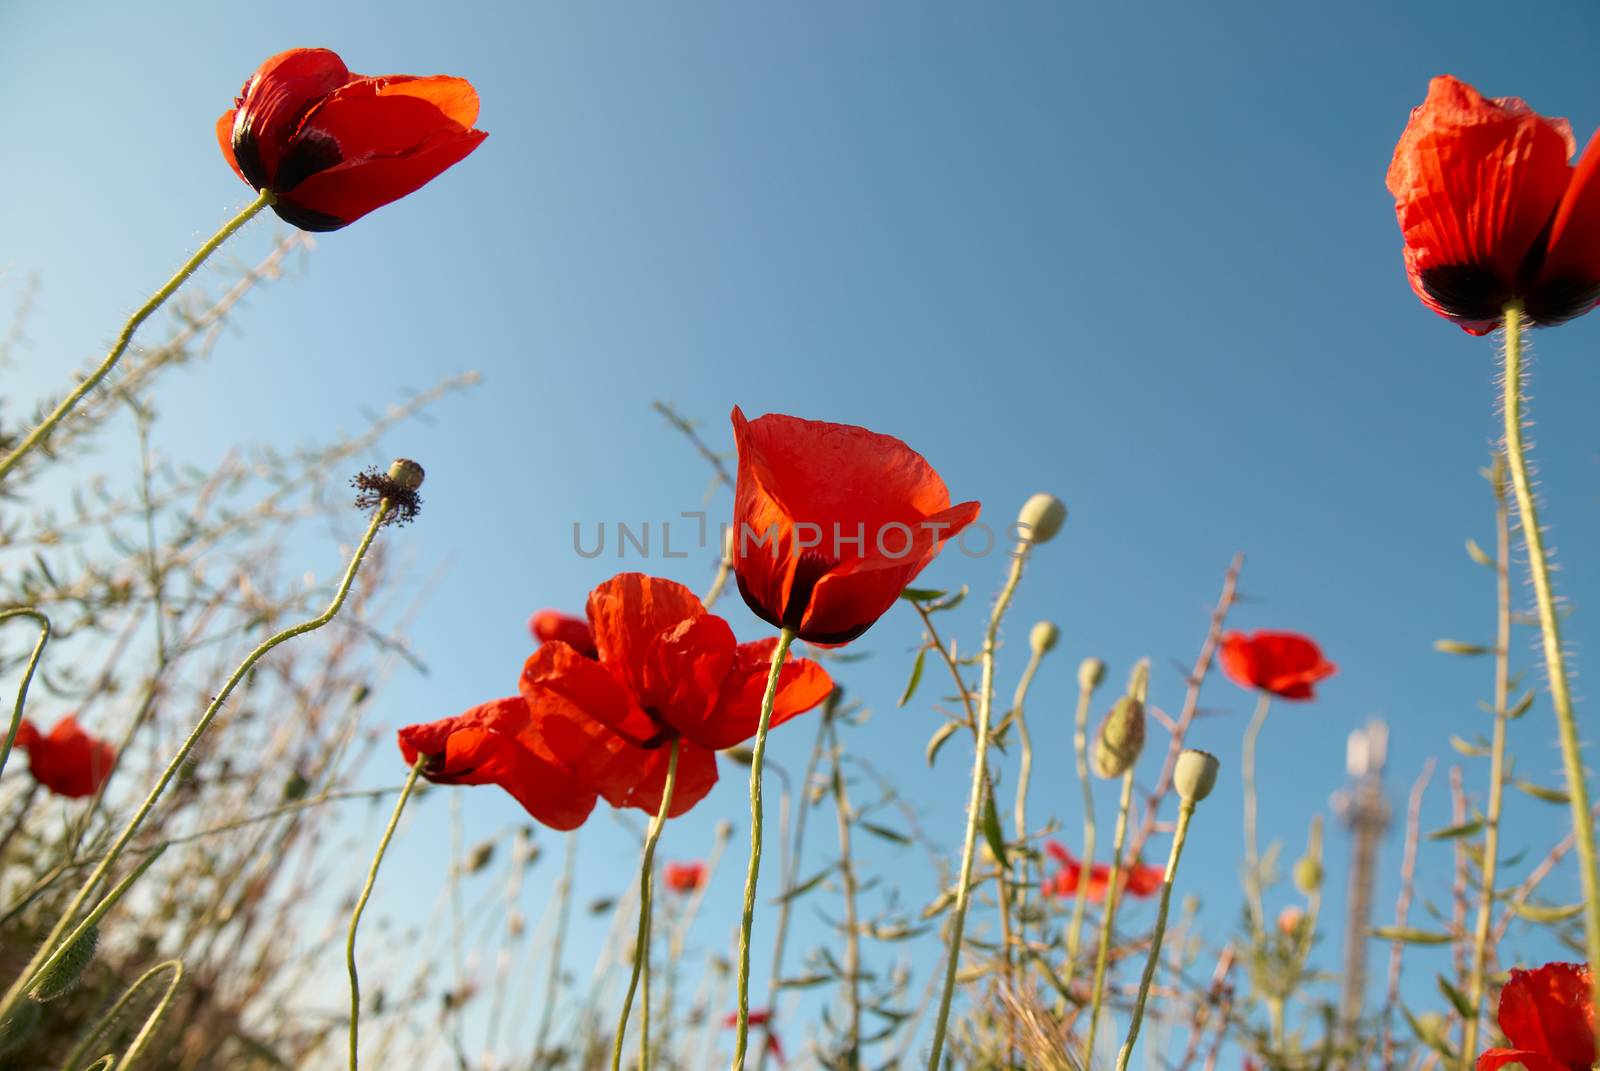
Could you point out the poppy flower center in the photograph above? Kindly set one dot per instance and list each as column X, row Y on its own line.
column 663, row 735
column 808, row 572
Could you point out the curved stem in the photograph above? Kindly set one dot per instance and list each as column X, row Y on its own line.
column 1080, row 744
column 980, row 778
column 741, row 1039
column 1550, row 630
column 361, row 906
column 1113, row 897
column 1252, row 858
column 38, row 435
column 27, row 675
column 1185, row 812
column 74, row 1058
column 641, row 945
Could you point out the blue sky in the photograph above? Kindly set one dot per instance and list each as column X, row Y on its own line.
column 1140, row 256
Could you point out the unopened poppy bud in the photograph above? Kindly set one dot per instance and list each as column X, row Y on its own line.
column 1044, row 637
column 406, row 474
column 18, row 1025
column 1121, row 738
column 1041, row 517
column 1195, row 774
column 1289, row 920
column 724, row 829
column 1091, row 672
column 61, row 977
column 1307, row 875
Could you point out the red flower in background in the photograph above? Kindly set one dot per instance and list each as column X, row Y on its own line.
column 1140, row 880
column 831, row 522
column 1548, row 1016
column 549, row 626
column 1286, row 664
column 332, row 146
column 684, row 877
column 760, row 1018
column 668, row 670
column 69, row 761
column 1491, row 211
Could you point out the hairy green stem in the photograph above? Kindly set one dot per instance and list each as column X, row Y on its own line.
column 641, row 944
column 27, row 675
column 74, row 1060
column 1252, row 856
column 1113, row 897
column 852, row 925
column 1080, row 744
column 1024, row 766
column 1185, row 812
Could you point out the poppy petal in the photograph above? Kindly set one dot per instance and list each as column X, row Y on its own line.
column 629, row 613
column 1569, row 280
column 340, row 195
column 556, row 678
column 1494, row 1059
column 625, row 774
column 802, row 684
column 272, row 105
column 1549, row 1010
column 684, row 670
column 225, row 141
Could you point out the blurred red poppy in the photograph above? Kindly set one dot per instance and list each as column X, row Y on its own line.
column 1286, row 664
column 332, row 146
column 668, row 670
column 551, row 625
column 831, row 522
column 69, row 761
column 1491, row 211
column 684, row 877
column 1548, row 1016
column 1140, row 880
column 762, row 1019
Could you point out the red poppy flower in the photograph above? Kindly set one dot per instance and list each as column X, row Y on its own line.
column 499, row 743
column 668, row 670
column 1548, row 1016
column 332, row 146
column 684, row 877
column 69, row 762
column 1491, row 210
column 1286, row 664
column 760, row 1018
column 551, row 625
column 1139, row 880
column 832, row 522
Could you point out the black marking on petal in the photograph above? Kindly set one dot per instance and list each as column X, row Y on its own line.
column 1468, row 291
column 310, row 151
column 755, row 604
column 810, row 569
column 247, row 154
column 1556, row 301
column 307, row 219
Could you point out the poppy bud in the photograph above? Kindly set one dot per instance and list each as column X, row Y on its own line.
column 18, row 1025
column 1121, row 738
column 1041, row 517
column 61, row 977
column 480, row 856
column 1139, row 680
column 406, row 474
column 724, row 829
column 1195, row 774
column 1091, row 672
column 1044, row 637
column 1307, row 875
column 1289, row 920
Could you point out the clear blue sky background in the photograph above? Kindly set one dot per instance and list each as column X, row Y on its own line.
column 1137, row 255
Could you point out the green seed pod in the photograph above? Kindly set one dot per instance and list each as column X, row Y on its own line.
column 1307, row 875
column 1091, row 672
column 1195, row 775
column 18, row 1026
column 61, row 977
column 480, row 857
column 1041, row 517
column 407, row 473
column 1120, row 739
column 1044, row 637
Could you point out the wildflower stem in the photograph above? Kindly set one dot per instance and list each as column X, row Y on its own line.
column 563, row 916
column 1113, row 897
column 361, row 906
column 1497, row 759
column 1080, row 743
column 1550, row 629
column 27, row 675
column 1024, row 763
column 52, row 941
column 1252, row 856
column 741, row 1040
column 641, row 944
column 975, row 798
column 1185, row 812
column 852, row 925
column 38, row 435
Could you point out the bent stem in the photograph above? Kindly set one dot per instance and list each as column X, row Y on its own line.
column 1080, row 743
column 38, row 435
column 975, row 797
column 1252, row 858
column 27, row 675
column 1113, row 897
column 74, row 1059
column 758, row 753
column 361, row 906
column 1550, row 630
column 52, row 941
column 1185, row 812
column 641, row 944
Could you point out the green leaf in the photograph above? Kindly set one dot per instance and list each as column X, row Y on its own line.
column 940, row 735
column 893, row 836
column 1478, row 554
column 1539, row 792
column 1465, row 829
column 1468, row 748
column 949, row 602
column 916, row 677
column 1521, row 708
column 921, row 594
column 1409, row 936
column 805, row 886
column 991, row 828
column 1456, row 647
column 808, row 981
column 1455, row 996
column 1547, row 912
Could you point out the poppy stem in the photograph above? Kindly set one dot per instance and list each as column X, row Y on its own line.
column 27, row 676
column 975, row 799
column 1185, row 812
column 1252, row 857
column 1024, row 768
column 563, row 918
column 1113, row 898
column 1550, row 630
column 361, row 906
column 641, row 945
column 758, row 753
column 1080, row 743
column 38, row 435
column 153, row 1020
column 51, row 943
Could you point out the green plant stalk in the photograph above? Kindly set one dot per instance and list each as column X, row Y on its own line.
column 641, row 944
column 1113, row 898
column 27, row 675
column 680, row 933
column 38, row 435
column 52, row 941
column 1550, row 630
column 101, row 909
column 74, row 1060
column 1497, row 759
column 361, row 906
column 1185, row 813
column 563, row 917
column 852, row 941
column 980, row 778
column 1024, row 768
column 1252, row 857
column 741, row 1041
column 1080, row 743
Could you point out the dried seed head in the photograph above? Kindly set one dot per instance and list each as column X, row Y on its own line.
column 1091, row 672
column 406, row 473
column 1120, row 739
column 61, row 977
column 397, row 487
column 1044, row 637
column 1041, row 517
column 1194, row 775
